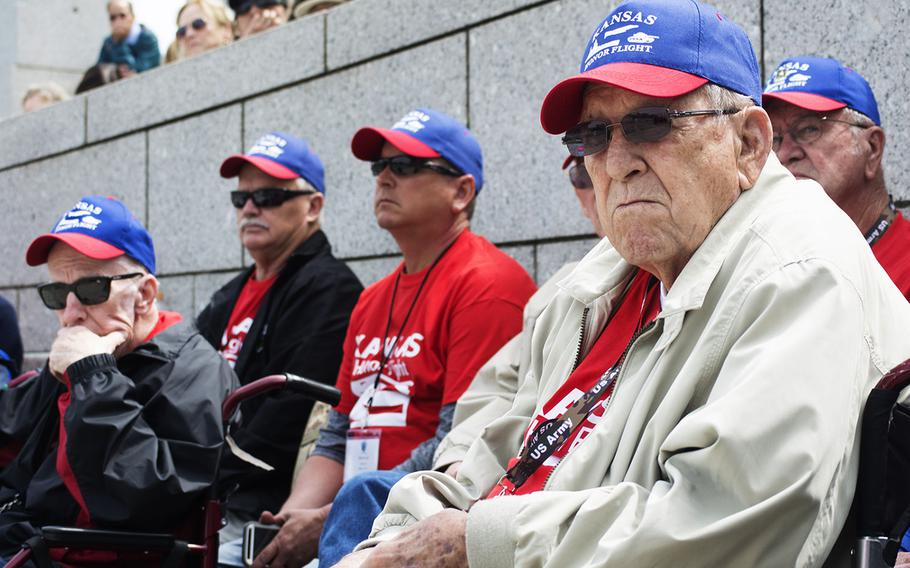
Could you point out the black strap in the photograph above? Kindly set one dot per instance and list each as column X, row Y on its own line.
column 40, row 553
column 880, row 226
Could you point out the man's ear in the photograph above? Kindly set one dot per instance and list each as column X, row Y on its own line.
column 755, row 145
column 875, row 139
column 148, row 293
column 317, row 202
column 465, row 191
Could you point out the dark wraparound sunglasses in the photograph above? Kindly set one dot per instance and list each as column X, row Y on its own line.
column 198, row 24
column 579, row 177
column 404, row 166
column 267, row 196
column 642, row 125
column 245, row 7
column 90, row 290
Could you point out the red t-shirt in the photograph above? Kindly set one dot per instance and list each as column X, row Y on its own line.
column 640, row 305
column 470, row 306
column 242, row 316
column 893, row 252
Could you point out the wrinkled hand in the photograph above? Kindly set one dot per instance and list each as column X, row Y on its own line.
column 354, row 559
column 437, row 541
column 298, row 540
column 78, row 342
column 903, row 560
column 452, row 470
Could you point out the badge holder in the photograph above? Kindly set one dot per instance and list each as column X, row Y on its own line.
column 361, row 451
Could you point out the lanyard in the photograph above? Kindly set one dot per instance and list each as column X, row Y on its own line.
column 884, row 221
column 553, row 433
column 387, row 350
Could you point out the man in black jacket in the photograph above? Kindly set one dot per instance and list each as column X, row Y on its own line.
column 122, row 428
column 287, row 313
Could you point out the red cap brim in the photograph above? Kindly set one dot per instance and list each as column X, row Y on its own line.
column 568, row 161
column 232, row 166
column 562, row 105
column 91, row 247
column 367, row 144
column 808, row 101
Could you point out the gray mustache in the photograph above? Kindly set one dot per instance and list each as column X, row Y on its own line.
column 244, row 223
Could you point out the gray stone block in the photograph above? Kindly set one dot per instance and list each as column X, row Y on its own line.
column 37, row 324
column 62, row 34
column 51, row 130
column 371, row 270
column 524, row 254
column 294, row 52
column 552, row 256
column 204, row 285
column 329, row 111
column 37, row 194
column 861, row 35
column 190, row 214
column 367, row 28
column 176, row 295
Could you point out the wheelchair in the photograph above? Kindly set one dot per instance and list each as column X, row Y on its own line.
column 195, row 544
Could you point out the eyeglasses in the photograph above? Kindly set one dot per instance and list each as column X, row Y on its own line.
column 404, row 166
column 245, row 7
column 642, row 125
column 198, row 24
column 90, row 290
column 578, row 176
column 808, row 129
column 267, row 196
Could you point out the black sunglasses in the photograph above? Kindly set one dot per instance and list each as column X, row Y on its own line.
column 404, row 166
column 642, row 125
column 579, row 177
column 245, row 7
column 90, row 290
column 267, row 196
column 197, row 24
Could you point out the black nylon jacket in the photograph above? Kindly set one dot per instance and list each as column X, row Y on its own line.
column 299, row 328
column 143, row 439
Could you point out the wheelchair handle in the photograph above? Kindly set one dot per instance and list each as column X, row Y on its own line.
column 312, row 389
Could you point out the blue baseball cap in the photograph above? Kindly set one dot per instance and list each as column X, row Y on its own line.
column 98, row 227
column 281, row 156
column 425, row 133
column 821, row 84
column 657, row 48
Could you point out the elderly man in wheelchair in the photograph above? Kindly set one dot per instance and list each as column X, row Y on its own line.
column 122, row 429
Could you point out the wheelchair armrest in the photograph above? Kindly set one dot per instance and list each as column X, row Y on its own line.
column 70, row 537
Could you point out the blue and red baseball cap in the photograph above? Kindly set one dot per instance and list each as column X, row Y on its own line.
column 98, row 227
column 425, row 133
column 281, row 156
column 821, row 84
column 657, row 48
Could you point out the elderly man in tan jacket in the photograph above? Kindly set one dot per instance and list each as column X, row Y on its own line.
column 694, row 389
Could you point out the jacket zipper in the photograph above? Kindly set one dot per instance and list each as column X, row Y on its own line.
column 622, row 361
column 581, row 339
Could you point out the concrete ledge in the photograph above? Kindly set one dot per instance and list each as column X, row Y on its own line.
column 278, row 57
column 367, row 28
column 37, row 134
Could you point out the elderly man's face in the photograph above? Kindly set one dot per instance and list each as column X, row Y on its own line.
column 271, row 228
column 657, row 201
column 836, row 160
column 118, row 313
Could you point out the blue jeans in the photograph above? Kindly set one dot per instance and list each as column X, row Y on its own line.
column 359, row 501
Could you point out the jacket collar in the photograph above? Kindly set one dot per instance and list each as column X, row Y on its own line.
column 603, row 271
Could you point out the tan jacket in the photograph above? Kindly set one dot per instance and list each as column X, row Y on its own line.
column 731, row 439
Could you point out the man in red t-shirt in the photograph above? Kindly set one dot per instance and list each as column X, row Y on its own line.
column 827, row 129
column 418, row 336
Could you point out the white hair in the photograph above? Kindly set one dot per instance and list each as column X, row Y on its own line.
column 723, row 98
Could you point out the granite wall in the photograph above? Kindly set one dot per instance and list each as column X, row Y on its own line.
column 156, row 141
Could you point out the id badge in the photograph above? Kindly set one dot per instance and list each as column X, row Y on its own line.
column 361, row 451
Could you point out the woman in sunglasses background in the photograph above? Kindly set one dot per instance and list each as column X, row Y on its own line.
column 202, row 25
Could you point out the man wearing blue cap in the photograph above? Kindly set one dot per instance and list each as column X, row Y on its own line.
column 288, row 312
column 827, row 129
column 682, row 405
column 418, row 336
column 122, row 428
